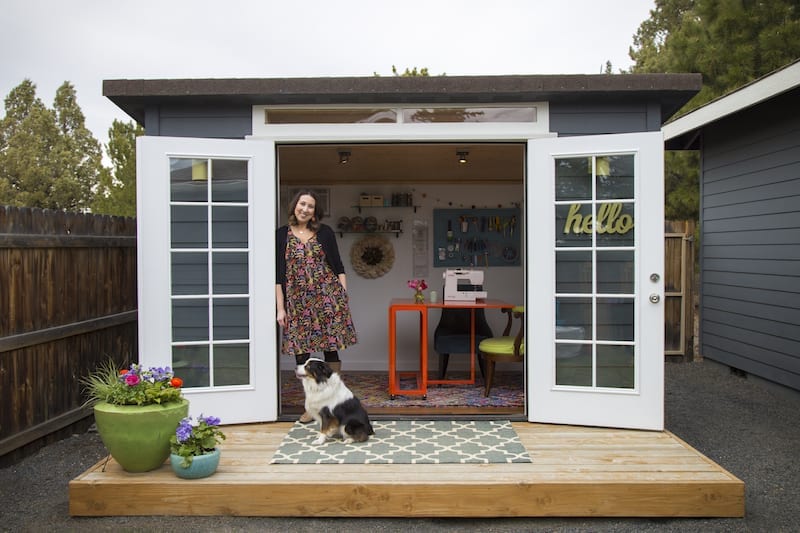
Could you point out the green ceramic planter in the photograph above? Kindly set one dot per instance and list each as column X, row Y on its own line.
column 202, row 465
column 137, row 437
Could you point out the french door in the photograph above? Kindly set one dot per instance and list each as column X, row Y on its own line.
column 595, row 336
column 206, row 274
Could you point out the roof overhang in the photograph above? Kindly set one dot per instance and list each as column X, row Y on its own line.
column 682, row 133
column 671, row 91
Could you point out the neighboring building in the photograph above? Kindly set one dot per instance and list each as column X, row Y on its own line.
column 578, row 158
column 749, row 224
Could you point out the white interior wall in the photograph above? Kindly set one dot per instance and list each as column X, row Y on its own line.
column 369, row 298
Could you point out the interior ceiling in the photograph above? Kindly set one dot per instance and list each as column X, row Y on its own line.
column 319, row 164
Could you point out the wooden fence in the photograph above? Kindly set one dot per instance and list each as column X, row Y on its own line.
column 679, row 289
column 67, row 303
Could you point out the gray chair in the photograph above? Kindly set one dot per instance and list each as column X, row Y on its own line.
column 452, row 335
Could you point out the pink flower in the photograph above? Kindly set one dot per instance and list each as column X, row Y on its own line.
column 131, row 379
column 418, row 284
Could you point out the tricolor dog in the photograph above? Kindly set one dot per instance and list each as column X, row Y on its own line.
column 332, row 404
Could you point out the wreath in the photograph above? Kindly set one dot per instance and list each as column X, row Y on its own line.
column 372, row 256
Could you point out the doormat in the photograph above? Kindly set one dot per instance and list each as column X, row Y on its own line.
column 409, row 442
column 372, row 388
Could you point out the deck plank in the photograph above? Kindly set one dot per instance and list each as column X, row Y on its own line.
column 576, row 471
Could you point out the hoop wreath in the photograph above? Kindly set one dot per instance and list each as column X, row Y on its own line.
column 372, row 256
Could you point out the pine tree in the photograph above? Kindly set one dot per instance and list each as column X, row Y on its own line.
column 116, row 192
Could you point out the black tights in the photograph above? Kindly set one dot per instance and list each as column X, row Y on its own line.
column 330, row 357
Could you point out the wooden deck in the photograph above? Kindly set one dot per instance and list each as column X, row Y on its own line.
column 576, row 471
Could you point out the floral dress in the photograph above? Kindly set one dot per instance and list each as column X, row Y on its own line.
column 317, row 309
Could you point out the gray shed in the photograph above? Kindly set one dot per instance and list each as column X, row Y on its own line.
column 749, row 142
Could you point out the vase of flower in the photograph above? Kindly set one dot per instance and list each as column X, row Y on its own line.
column 194, row 449
column 136, row 411
column 418, row 285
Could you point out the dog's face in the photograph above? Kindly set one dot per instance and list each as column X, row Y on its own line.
column 314, row 369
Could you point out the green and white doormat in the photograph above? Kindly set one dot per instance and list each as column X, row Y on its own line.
column 409, row 442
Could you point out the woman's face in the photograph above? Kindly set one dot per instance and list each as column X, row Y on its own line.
column 304, row 210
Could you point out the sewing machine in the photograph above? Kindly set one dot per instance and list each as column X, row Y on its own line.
column 461, row 285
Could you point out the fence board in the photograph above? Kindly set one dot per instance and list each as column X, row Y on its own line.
column 67, row 304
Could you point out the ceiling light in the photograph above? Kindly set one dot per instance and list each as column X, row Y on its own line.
column 462, row 156
column 344, row 157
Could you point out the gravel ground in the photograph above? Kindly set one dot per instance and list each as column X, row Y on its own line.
column 748, row 426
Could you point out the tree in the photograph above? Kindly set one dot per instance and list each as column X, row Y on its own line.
column 28, row 133
column 729, row 42
column 116, row 192
column 48, row 158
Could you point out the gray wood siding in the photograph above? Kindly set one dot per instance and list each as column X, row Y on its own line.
column 575, row 119
column 750, row 255
column 214, row 121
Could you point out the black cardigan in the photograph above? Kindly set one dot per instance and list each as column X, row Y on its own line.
column 325, row 236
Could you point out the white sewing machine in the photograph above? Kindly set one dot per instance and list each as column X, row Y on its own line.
column 460, row 285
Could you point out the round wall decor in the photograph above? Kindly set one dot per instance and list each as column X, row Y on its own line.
column 372, row 256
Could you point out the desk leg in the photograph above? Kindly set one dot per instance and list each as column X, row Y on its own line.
column 472, row 356
column 393, row 384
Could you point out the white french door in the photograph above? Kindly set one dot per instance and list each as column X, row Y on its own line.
column 206, row 273
column 594, row 312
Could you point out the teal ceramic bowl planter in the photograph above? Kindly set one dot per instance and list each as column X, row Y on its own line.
column 202, row 465
column 137, row 436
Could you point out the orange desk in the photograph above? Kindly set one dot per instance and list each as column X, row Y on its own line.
column 400, row 305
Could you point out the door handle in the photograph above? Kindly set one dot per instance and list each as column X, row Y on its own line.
column 655, row 298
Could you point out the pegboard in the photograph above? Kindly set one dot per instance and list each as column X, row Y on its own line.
column 476, row 237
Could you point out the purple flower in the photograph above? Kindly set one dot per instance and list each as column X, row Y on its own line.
column 184, row 431
column 212, row 421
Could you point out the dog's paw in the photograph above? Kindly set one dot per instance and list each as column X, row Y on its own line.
column 320, row 440
column 348, row 440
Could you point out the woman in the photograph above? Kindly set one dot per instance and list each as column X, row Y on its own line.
column 311, row 287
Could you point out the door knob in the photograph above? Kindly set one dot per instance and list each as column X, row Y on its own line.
column 655, row 298
column 654, row 277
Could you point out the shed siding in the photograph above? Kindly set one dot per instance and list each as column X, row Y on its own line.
column 217, row 121
column 575, row 119
column 750, row 257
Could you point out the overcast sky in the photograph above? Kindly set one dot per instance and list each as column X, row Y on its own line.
column 87, row 41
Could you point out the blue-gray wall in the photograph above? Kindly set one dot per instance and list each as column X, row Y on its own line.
column 234, row 122
column 750, row 241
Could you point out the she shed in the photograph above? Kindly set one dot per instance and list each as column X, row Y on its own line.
column 749, row 142
column 578, row 158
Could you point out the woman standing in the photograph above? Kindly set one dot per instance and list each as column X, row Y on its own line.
column 311, row 287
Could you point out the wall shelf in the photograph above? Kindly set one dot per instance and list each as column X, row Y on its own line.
column 396, row 232
column 360, row 207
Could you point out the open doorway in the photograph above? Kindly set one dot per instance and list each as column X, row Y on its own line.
column 406, row 194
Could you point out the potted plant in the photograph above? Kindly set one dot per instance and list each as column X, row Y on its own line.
column 194, row 448
column 136, row 410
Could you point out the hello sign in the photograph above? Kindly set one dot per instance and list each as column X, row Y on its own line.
column 609, row 220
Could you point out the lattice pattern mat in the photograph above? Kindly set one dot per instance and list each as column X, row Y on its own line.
column 409, row 442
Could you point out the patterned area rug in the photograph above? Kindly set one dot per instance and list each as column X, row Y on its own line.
column 372, row 388
column 409, row 442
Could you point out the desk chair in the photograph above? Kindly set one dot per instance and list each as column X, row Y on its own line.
column 452, row 335
column 505, row 348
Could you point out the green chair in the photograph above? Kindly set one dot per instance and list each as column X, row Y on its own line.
column 505, row 348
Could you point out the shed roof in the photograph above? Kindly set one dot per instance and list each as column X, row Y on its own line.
column 681, row 133
column 671, row 91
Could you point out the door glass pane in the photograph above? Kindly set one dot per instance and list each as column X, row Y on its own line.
column 574, row 223
column 188, row 180
column 615, row 224
column 595, row 258
column 615, row 272
column 231, row 319
column 574, row 178
column 191, row 364
column 229, row 227
column 615, row 177
column 574, row 272
column 574, row 365
column 230, row 273
column 189, row 273
column 231, row 364
column 615, row 319
column 229, row 180
column 189, row 226
column 615, row 366
column 190, row 320
column 210, row 194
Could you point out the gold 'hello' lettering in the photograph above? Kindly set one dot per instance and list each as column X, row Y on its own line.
column 609, row 220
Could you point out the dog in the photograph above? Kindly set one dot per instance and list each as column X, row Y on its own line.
column 332, row 404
